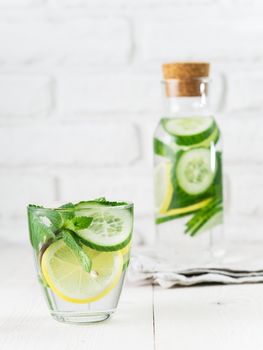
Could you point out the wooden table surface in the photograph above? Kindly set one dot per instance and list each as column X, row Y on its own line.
column 148, row 318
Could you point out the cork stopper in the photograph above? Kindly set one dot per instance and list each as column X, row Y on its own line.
column 186, row 76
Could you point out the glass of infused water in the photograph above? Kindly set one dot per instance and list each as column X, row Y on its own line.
column 81, row 252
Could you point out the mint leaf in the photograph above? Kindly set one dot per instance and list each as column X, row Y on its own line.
column 35, row 206
column 39, row 232
column 67, row 206
column 54, row 217
column 74, row 244
column 112, row 204
column 100, row 199
column 81, row 222
column 67, row 214
column 78, row 223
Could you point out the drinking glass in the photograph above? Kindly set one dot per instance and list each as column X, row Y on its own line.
column 81, row 255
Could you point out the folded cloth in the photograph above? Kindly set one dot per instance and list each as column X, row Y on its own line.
column 243, row 263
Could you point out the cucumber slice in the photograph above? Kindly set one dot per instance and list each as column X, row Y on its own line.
column 190, row 130
column 98, row 202
column 110, row 229
column 195, row 170
column 162, row 149
column 213, row 138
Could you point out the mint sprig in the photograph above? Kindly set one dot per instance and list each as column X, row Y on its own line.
column 202, row 216
column 72, row 241
column 39, row 232
column 50, row 225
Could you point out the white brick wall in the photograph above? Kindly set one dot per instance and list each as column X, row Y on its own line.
column 239, row 85
column 20, row 187
column 247, row 191
column 82, row 41
column 80, row 98
column 20, row 3
column 242, row 138
column 25, row 96
column 107, row 92
column 75, row 144
column 200, row 38
column 134, row 186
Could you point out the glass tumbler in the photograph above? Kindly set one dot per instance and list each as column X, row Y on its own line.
column 81, row 255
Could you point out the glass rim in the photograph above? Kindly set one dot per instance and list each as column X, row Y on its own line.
column 127, row 205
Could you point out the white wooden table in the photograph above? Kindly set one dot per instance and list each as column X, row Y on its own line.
column 148, row 318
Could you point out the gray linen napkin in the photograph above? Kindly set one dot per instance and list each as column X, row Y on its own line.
column 243, row 263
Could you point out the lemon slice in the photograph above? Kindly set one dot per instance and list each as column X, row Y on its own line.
column 66, row 277
column 163, row 186
column 126, row 253
column 126, row 249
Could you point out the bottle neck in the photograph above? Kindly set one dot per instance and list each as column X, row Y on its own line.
column 186, row 98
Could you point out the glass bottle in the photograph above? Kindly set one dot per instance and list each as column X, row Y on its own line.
column 188, row 180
